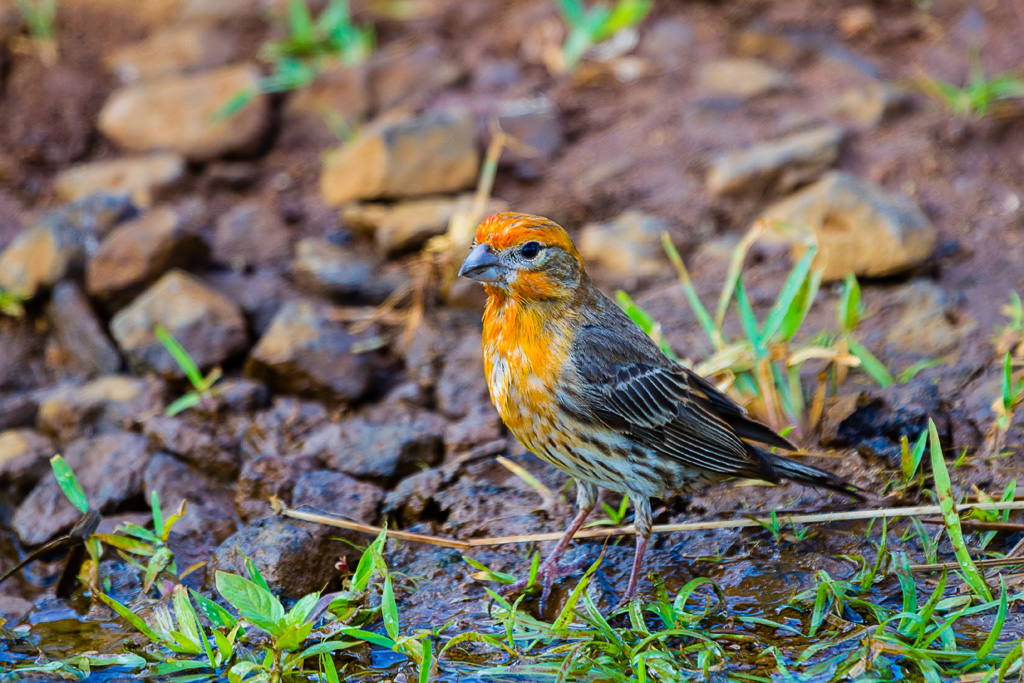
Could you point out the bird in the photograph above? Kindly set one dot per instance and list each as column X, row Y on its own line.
column 583, row 388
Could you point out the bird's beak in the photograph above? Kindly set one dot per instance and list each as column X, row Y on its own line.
column 482, row 265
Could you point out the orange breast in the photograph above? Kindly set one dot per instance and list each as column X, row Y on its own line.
column 524, row 356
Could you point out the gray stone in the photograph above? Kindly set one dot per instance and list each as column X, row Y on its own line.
column 859, row 227
column 24, row 457
column 625, row 251
column 381, row 448
column 295, row 558
column 406, row 158
column 741, row 78
column 201, row 450
column 462, row 385
column 536, row 128
column 208, row 325
column 103, row 404
column 307, row 352
column 326, row 269
column 251, row 235
column 79, row 331
column 776, row 166
column 339, row 494
column 110, row 469
column 266, row 476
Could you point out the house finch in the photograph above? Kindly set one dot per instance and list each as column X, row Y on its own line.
column 584, row 389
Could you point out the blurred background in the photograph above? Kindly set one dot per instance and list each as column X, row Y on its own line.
column 229, row 231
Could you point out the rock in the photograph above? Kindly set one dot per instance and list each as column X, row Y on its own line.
column 462, row 386
column 140, row 177
column 413, row 495
column 402, row 227
column 183, row 115
column 327, row 269
column 306, row 352
column 408, row 72
column 339, row 91
column 251, row 235
column 39, row 257
column 382, row 448
column 406, row 158
column 24, row 458
column 857, row 21
column 79, row 332
column 626, row 250
column 200, row 449
column 135, row 254
column 103, row 404
column 868, row 105
column 860, row 228
column 208, row 325
column 295, row 558
column 741, row 78
column 109, row 468
column 259, row 293
column 210, row 517
column 670, row 43
column 55, row 247
column 535, row 126
column 266, row 476
column 482, row 425
column 924, row 323
column 777, row 166
column 240, row 394
column 873, row 422
column 339, row 494
column 171, row 52
column 18, row 410
column 13, row 608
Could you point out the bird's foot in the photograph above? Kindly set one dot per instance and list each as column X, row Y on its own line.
column 549, row 572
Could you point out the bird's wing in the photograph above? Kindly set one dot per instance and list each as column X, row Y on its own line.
column 656, row 402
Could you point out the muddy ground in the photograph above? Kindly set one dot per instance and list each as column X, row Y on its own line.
column 379, row 427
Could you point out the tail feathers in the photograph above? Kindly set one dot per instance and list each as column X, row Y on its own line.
column 787, row 468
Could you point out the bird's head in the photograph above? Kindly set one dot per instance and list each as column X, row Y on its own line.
column 526, row 257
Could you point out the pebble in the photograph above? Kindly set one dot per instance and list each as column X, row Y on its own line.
column 251, row 235
column 435, row 153
column 208, row 325
column 626, row 250
column 183, row 115
column 307, row 352
column 141, row 177
column 171, row 52
column 24, row 458
column 776, row 166
column 741, row 78
column 79, row 331
column 859, row 227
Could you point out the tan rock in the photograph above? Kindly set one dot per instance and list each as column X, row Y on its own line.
column 208, row 325
column 140, row 177
column 24, row 454
column 38, row 257
column 742, row 78
column 103, row 404
column 859, row 227
column 406, row 158
column 406, row 226
column 184, row 115
column 779, row 165
column 626, row 250
column 171, row 52
column 338, row 91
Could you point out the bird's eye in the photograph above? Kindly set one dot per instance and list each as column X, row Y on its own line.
column 530, row 250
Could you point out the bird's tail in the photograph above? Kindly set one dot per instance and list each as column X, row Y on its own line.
column 788, row 468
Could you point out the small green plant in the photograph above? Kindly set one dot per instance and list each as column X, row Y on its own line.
column 980, row 95
column 310, row 44
column 1010, row 338
column 40, row 17
column 1010, row 398
column 588, row 27
column 772, row 526
column 203, row 391
column 12, row 303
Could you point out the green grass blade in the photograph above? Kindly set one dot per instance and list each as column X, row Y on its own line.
column 748, row 320
column 790, row 289
column 389, row 610
column 69, row 483
column 180, row 356
column 701, row 313
column 850, row 307
column 944, row 491
column 870, row 364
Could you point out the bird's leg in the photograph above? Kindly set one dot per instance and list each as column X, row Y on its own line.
column 550, row 570
column 643, row 522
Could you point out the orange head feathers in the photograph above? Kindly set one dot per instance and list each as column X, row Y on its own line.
column 526, row 257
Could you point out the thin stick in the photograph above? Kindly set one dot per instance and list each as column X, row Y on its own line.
column 817, row 518
column 1001, row 562
column 981, row 525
